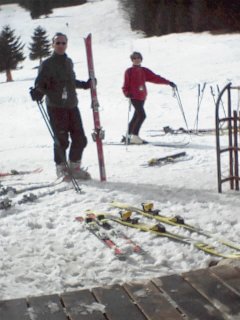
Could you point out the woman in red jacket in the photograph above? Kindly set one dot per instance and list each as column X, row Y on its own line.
column 135, row 89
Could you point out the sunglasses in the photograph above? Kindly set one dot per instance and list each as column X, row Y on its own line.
column 58, row 43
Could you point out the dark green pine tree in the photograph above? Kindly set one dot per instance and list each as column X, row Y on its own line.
column 40, row 46
column 11, row 51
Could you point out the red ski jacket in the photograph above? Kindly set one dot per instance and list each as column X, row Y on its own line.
column 134, row 82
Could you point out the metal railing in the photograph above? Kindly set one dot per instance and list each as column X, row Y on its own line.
column 232, row 120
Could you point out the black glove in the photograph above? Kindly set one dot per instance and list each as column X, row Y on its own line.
column 89, row 82
column 36, row 94
column 84, row 84
column 172, row 84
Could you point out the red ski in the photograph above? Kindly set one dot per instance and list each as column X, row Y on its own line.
column 95, row 229
column 98, row 133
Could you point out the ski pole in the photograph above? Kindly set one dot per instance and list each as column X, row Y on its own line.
column 127, row 132
column 213, row 95
column 200, row 97
column 51, row 131
column 198, row 107
column 181, row 108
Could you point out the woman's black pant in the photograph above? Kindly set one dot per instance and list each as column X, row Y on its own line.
column 65, row 123
column 138, row 117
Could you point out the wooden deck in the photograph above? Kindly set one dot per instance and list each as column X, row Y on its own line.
column 205, row 294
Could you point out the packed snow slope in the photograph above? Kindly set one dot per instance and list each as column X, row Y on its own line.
column 43, row 248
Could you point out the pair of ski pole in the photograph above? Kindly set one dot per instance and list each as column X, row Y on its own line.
column 200, row 97
column 176, row 94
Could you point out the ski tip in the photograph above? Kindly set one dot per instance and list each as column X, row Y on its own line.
column 80, row 219
column 88, row 37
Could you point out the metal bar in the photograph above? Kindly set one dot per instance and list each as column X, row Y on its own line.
column 233, row 126
column 230, row 140
column 225, row 119
column 227, row 179
column 227, row 149
column 218, row 136
column 235, row 132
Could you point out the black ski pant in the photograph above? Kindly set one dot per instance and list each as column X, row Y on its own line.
column 65, row 123
column 138, row 117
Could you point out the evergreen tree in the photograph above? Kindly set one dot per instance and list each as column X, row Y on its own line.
column 40, row 46
column 11, row 51
column 37, row 7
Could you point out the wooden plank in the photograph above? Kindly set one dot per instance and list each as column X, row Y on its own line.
column 224, row 299
column 228, row 274
column 81, row 305
column 47, row 308
column 189, row 301
column 118, row 304
column 14, row 310
column 152, row 302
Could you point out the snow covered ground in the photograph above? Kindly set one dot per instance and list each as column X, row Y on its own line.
column 42, row 248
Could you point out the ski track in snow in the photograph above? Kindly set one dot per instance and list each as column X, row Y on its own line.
column 43, row 248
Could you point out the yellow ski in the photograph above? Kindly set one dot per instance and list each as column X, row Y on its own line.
column 159, row 230
column 177, row 221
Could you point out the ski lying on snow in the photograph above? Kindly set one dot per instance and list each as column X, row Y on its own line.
column 167, row 159
column 149, row 212
column 169, row 130
column 169, row 144
column 96, row 229
column 160, row 230
column 150, row 143
column 104, row 222
column 7, row 202
column 16, row 172
column 4, row 190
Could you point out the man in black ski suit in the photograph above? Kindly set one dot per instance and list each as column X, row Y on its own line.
column 56, row 79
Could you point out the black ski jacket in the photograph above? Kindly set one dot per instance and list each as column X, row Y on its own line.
column 56, row 79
